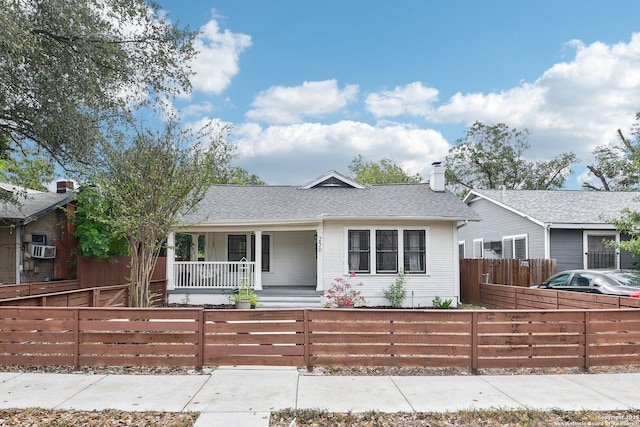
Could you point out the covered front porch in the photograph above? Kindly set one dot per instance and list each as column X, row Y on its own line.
column 206, row 266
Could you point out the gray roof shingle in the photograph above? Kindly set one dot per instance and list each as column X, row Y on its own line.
column 33, row 205
column 228, row 204
column 564, row 206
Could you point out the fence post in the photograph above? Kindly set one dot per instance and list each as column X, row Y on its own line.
column 474, row 342
column 200, row 331
column 587, row 353
column 95, row 298
column 307, row 349
column 76, row 339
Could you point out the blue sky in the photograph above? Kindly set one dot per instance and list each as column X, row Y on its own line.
column 309, row 85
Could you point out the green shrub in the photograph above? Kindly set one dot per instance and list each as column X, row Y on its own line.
column 440, row 303
column 397, row 292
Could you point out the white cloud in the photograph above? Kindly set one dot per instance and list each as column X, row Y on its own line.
column 217, row 61
column 414, row 99
column 304, row 151
column 573, row 106
column 197, row 110
column 285, row 105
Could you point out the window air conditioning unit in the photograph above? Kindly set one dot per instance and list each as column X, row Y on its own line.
column 493, row 246
column 42, row 251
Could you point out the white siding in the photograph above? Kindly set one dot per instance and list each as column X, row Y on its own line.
column 442, row 277
column 293, row 259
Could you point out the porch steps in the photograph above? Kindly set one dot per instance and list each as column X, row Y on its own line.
column 289, row 297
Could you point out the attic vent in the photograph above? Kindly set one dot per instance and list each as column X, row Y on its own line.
column 332, row 182
column 41, row 251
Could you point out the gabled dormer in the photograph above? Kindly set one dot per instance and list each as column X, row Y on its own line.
column 332, row 179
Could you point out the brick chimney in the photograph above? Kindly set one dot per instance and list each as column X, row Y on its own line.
column 65, row 187
column 437, row 177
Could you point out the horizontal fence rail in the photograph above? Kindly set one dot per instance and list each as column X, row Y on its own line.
column 104, row 296
column 473, row 339
column 28, row 289
column 516, row 298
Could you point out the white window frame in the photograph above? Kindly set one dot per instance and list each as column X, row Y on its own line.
column 462, row 243
column 372, row 249
column 512, row 238
column 478, row 243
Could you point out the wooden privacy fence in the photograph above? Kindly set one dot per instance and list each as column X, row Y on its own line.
column 512, row 297
column 26, row 289
column 93, row 273
column 515, row 272
column 104, row 296
column 319, row 337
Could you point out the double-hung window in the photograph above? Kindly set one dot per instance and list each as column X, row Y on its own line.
column 515, row 247
column 414, row 251
column 236, row 247
column 386, row 251
column 358, row 251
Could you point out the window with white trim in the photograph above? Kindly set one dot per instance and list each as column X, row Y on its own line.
column 478, row 248
column 386, row 251
column 395, row 250
column 414, row 251
column 359, row 251
column 515, row 247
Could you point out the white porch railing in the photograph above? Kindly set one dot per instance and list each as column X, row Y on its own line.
column 213, row 274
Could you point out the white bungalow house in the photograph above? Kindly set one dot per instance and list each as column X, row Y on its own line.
column 289, row 240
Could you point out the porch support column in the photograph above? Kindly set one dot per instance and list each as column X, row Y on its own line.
column 258, row 261
column 194, row 247
column 171, row 258
column 319, row 259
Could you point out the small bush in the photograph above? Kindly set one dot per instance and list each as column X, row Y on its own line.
column 397, row 292
column 440, row 303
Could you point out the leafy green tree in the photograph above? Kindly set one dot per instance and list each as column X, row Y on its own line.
column 616, row 165
column 491, row 157
column 150, row 180
column 240, row 176
column 386, row 171
column 30, row 168
column 70, row 69
column 95, row 231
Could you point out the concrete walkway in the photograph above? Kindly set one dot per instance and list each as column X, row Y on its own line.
column 246, row 396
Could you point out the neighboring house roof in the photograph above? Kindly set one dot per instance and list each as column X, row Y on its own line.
column 325, row 198
column 17, row 189
column 562, row 208
column 32, row 205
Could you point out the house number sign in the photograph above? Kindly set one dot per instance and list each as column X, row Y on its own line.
column 319, row 243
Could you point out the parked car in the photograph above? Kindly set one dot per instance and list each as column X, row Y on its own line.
column 608, row 282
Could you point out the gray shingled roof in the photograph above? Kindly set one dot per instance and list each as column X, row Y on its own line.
column 228, row 204
column 564, row 206
column 33, row 206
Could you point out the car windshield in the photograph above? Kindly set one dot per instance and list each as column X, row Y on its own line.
column 627, row 278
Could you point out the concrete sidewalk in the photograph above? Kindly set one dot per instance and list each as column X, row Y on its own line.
column 246, row 396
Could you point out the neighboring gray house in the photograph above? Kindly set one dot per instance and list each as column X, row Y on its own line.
column 307, row 236
column 568, row 226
